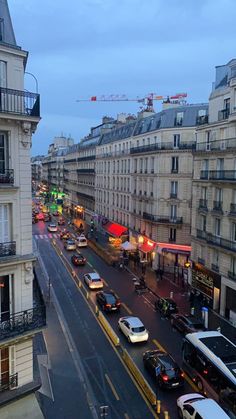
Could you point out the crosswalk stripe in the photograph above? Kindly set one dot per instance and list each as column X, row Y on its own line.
column 50, row 236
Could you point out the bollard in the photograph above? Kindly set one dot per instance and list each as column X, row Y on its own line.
column 80, row 284
column 171, row 294
column 158, row 406
column 96, row 310
column 192, row 311
column 205, row 316
column 87, row 295
column 166, row 415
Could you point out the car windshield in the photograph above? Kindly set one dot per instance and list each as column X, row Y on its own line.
column 70, row 242
column 168, row 363
column 110, row 299
column 138, row 329
column 82, row 240
column 96, row 279
column 198, row 326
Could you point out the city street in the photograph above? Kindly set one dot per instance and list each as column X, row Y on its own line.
column 107, row 382
column 161, row 333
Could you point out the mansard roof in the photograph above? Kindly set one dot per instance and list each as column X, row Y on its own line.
column 7, row 35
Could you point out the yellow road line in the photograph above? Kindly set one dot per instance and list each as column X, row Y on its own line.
column 158, row 345
column 105, row 282
column 126, row 308
column 126, row 416
column 112, row 387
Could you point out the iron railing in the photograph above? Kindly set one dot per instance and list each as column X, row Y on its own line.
column 233, row 209
column 217, row 206
column 202, row 204
column 173, row 195
column 164, row 146
column 232, row 275
column 215, row 267
column 201, row 234
column 201, row 260
column 222, row 175
column 19, row 102
column 204, row 174
column 85, row 170
column 219, row 241
column 7, row 176
column 8, row 382
column 217, row 145
column 12, row 325
column 163, row 219
column 223, row 114
column 7, row 249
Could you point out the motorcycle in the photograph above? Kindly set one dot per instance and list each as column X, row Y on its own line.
column 140, row 286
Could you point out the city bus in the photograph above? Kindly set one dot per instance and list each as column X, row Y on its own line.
column 209, row 358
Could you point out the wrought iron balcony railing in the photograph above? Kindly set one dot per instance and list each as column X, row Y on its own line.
column 8, row 382
column 7, row 177
column 85, row 171
column 223, row 114
column 222, row 175
column 218, row 206
column 219, row 241
column 201, row 234
column 163, row 219
column 12, row 325
column 233, row 209
column 173, row 195
column 203, row 204
column 232, row 275
column 163, row 146
column 7, row 249
column 19, row 102
column 204, row 174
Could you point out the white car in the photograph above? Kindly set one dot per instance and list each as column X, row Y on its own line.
column 82, row 241
column 93, row 280
column 70, row 244
column 195, row 405
column 52, row 228
column 133, row 329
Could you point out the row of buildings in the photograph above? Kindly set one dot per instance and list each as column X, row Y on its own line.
column 22, row 309
column 168, row 179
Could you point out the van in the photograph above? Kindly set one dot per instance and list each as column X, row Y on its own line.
column 82, row 241
column 196, row 406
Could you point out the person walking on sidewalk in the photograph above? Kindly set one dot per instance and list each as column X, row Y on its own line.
column 143, row 269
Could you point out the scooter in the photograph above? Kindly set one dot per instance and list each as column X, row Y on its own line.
column 140, row 287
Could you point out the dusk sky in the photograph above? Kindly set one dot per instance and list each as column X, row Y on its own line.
column 82, row 48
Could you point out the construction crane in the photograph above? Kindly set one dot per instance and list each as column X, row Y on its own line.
column 147, row 101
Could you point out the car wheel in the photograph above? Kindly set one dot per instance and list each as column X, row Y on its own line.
column 180, row 413
column 129, row 340
column 199, row 384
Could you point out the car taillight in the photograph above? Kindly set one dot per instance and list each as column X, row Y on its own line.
column 118, row 303
column 182, row 374
column 108, row 305
column 165, row 377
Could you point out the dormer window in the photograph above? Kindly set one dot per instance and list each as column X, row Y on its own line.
column 1, row 29
column 179, row 119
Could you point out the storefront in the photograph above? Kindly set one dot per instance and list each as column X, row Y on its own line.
column 146, row 249
column 172, row 258
column 208, row 284
column 117, row 234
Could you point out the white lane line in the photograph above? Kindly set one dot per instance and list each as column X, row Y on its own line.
column 50, row 236
column 89, row 264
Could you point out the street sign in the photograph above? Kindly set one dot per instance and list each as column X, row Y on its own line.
column 157, row 370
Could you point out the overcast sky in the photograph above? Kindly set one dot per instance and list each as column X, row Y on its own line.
column 81, row 48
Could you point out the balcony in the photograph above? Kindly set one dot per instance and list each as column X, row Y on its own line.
column 222, row 175
column 219, row 241
column 232, row 209
column 223, row 114
column 201, row 120
column 86, row 171
column 8, row 382
column 202, row 204
column 204, row 174
column 173, row 195
column 218, row 206
column 232, row 275
column 201, row 234
column 23, row 322
column 163, row 146
column 7, row 177
column 174, row 170
column 19, row 102
column 162, row 219
column 201, row 261
column 215, row 267
column 7, row 249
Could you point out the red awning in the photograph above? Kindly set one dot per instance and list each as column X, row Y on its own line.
column 147, row 246
column 173, row 248
column 114, row 229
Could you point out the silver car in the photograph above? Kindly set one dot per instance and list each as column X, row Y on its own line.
column 70, row 245
column 93, row 280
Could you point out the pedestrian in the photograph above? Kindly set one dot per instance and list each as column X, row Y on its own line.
column 161, row 273
column 143, row 269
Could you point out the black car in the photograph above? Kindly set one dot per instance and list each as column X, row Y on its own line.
column 64, row 235
column 78, row 260
column 169, row 374
column 108, row 301
column 166, row 306
column 187, row 323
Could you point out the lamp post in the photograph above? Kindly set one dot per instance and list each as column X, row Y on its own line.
column 36, row 81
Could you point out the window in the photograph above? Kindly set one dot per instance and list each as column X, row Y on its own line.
column 175, row 164
column 152, row 164
column 220, row 165
column 135, row 165
column 3, row 74
column 219, row 195
column 176, row 140
column 173, row 212
column 217, row 226
column 205, row 165
column 146, row 165
column 233, row 266
column 179, row 118
column 141, row 166
column 227, row 104
column 203, row 219
column 174, row 189
column 233, row 229
column 172, row 235
column 4, row 153
column 216, row 257
column 4, row 223
column 204, row 192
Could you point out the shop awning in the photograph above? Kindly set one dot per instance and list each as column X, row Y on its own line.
column 115, row 229
column 147, row 246
column 173, row 248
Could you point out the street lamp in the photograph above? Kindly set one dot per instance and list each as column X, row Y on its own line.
column 36, row 81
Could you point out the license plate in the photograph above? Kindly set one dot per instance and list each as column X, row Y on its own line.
column 175, row 384
column 113, row 308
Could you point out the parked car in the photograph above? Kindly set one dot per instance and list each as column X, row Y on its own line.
column 186, row 323
column 166, row 306
column 133, row 329
column 108, row 301
column 195, row 405
column 78, row 260
column 64, row 235
column 170, row 375
column 70, row 244
column 61, row 222
column 81, row 241
column 52, row 228
column 93, row 280
column 40, row 216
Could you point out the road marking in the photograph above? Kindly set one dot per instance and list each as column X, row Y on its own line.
column 105, row 283
column 112, row 387
column 90, row 264
column 126, row 416
column 126, row 308
column 158, row 345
